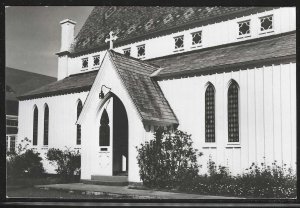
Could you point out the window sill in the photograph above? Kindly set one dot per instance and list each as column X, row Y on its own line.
column 196, row 46
column 207, row 146
column 233, row 145
column 44, row 148
column 141, row 57
column 96, row 67
column 178, row 50
column 266, row 32
column 244, row 36
column 84, row 69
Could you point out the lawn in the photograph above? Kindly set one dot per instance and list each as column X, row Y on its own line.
column 32, row 192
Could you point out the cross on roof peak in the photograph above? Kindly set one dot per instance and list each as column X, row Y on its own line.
column 111, row 39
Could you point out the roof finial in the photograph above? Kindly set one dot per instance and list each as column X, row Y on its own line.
column 111, row 39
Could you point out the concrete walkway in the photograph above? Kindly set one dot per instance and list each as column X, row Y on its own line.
column 124, row 190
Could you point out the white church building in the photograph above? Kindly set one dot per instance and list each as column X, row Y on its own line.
column 225, row 75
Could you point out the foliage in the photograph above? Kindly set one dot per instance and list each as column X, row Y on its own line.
column 258, row 181
column 24, row 162
column 67, row 162
column 168, row 161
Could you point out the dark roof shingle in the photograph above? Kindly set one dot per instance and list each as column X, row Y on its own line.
column 131, row 23
column 208, row 59
column 145, row 92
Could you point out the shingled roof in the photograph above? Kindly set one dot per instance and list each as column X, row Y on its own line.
column 216, row 59
column 71, row 84
column 145, row 92
column 133, row 24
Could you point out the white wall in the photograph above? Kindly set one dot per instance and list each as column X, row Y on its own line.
column 212, row 35
column 92, row 157
column 267, row 102
column 62, row 118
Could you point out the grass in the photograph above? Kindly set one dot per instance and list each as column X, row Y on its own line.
column 32, row 192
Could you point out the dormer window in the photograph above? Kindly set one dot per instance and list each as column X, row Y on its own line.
column 85, row 62
column 244, row 28
column 266, row 23
column 197, row 38
column 96, row 60
column 141, row 51
column 178, row 42
column 127, row 51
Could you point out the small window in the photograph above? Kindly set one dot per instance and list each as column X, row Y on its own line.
column 178, row 42
column 35, row 126
column 141, row 50
column 197, row 38
column 104, row 131
column 127, row 52
column 266, row 23
column 210, row 114
column 244, row 28
column 79, row 109
column 46, row 125
column 96, row 60
column 85, row 62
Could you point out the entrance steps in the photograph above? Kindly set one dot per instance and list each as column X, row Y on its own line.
column 107, row 180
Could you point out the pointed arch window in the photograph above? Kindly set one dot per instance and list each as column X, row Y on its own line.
column 35, row 125
column 233, row 112
column 78, row 137
column 46, row 125
column 104, row 129
column 210, row 114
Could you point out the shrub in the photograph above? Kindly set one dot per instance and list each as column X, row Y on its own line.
column 25, row 162
column 168, row 161
column 67, row 162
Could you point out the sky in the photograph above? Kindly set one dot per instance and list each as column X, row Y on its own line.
column 32, row 35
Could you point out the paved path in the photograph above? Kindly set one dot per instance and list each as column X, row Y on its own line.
column 124, row 190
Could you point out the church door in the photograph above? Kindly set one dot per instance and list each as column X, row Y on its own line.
column 120, row 138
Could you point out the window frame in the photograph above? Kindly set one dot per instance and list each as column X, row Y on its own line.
column 46, row 124
column 250, row 29
column 268, row 30
column 196, row 45
column 234, row 143
column 78, row 126
column 94, row 57
column 82, row 60
column 139, row 46
column 177, row 49
column 214, row 112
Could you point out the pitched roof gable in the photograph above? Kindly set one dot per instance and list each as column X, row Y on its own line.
column 144, row 91
column 137, row 23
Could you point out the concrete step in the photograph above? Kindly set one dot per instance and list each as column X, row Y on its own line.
column 110, row 178
column 106, row 183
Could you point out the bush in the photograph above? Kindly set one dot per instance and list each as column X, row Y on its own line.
column 24, row 162
column 168, row 161
column 258, row 181
column 67, row 162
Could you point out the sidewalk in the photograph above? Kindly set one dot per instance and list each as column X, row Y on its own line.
column 124, row 190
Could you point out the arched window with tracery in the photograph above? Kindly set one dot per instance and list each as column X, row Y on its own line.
column 78, row 137
column 35, row 125
column 46, row 125
column 210, row 113
column 104, row 131
column 233, row 112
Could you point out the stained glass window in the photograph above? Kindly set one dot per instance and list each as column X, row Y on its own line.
column 233, row 112
column 46, row 125
column 178, row 42
column 244, row 28
column 104, row 129
column 85, row 62
column 96, row 60
column 210, row 114
column 35, row 126
column 197, row 38
column 266, row 23
column 127, row 51
column 78, row 138
column 141, row 50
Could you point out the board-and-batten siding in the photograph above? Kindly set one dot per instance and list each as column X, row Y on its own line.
column 267, row 115
column 62, row 118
